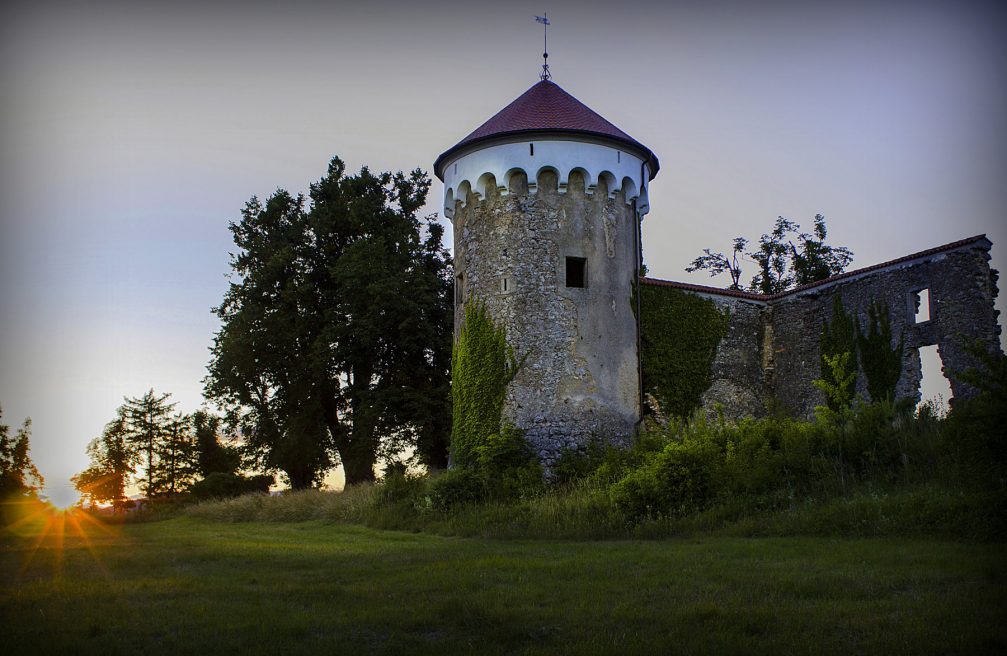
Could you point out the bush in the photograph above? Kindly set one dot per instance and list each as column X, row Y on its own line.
column 219, row 485
column 508, row 466
column 678, row 480
column 399, row 486
column 455, row 487
column 974, row 437
column 578, row 464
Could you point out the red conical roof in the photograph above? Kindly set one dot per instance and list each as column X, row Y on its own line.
column 546, row 108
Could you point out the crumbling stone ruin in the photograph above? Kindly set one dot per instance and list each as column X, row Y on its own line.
column 771, row 352
column 546, row 199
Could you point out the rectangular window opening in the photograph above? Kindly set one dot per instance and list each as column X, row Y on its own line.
column 531, row 149
column 935, row 388
column 576, row 272
column 921, row 305
column 460, row 289
column 505, row 284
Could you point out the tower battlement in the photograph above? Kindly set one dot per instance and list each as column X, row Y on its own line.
column 610, row 164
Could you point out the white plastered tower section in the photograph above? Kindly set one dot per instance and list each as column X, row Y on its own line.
column 546, row 200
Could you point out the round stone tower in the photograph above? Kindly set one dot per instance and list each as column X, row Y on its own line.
column 546, row 199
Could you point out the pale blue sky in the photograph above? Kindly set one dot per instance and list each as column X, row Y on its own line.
column 131, row 133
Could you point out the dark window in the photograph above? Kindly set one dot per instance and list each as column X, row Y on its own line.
column 531, row 149
column 460, row 289
column 576, row 272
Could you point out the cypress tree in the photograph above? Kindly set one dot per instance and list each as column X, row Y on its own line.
column 880, row 361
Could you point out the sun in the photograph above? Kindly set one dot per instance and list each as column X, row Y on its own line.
column 49, row 532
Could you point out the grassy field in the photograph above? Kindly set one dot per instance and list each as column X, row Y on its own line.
column 188, row 585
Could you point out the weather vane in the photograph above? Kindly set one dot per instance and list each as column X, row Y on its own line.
column 544, row 19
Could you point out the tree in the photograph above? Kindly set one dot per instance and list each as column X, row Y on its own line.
column 112, row 465
column 211, row 455
column 336, row 328
column 148, row 425
column 262, row 363
column 815, row 261
column 775, row 273
column 880, row 360
column 18, row 475
column 179, row 454
column 717, row 263
column 838, row 357
column 782, row 263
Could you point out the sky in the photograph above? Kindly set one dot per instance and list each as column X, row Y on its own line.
column 131, row 133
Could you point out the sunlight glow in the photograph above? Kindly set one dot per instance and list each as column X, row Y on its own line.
column 50, row 529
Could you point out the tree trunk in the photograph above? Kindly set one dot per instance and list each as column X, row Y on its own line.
column 301, row 478
column 358, row 466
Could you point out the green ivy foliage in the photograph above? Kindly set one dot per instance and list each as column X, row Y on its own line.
column 679, row 337
column 879, row 359
column 482, row 365
column 839, row 337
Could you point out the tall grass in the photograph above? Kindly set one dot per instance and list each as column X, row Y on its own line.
column 879, row 472
column 351, row 505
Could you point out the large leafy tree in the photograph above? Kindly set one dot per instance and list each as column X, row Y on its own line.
column 335, row 332
column 18, row 475
column 112, row 465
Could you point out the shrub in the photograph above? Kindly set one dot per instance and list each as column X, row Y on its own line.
column 457, row 486
column 578, row 464
column 508, row 466
column 399, row 486
column 974, row 442
column 220, row 485
column 678, row 480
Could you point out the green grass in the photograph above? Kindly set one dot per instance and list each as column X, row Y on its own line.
column 189, row 585
column 586, row 512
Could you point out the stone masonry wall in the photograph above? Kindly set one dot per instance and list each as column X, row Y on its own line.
column 580, row 377
column 742, row 368
column 962, row 289
column 770, row 355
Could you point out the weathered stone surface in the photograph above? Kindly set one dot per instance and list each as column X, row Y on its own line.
column 580, row 378
column 770, row 355
column 740, row 375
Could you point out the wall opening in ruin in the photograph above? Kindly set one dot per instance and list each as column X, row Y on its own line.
column 935, row 388
column 921, row 305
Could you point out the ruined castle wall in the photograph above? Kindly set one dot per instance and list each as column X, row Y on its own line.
column 961, row 289
column 770, row 355
column 742, row 368
column 580, row 378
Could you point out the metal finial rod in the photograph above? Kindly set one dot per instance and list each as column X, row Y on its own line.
column 544, row 19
